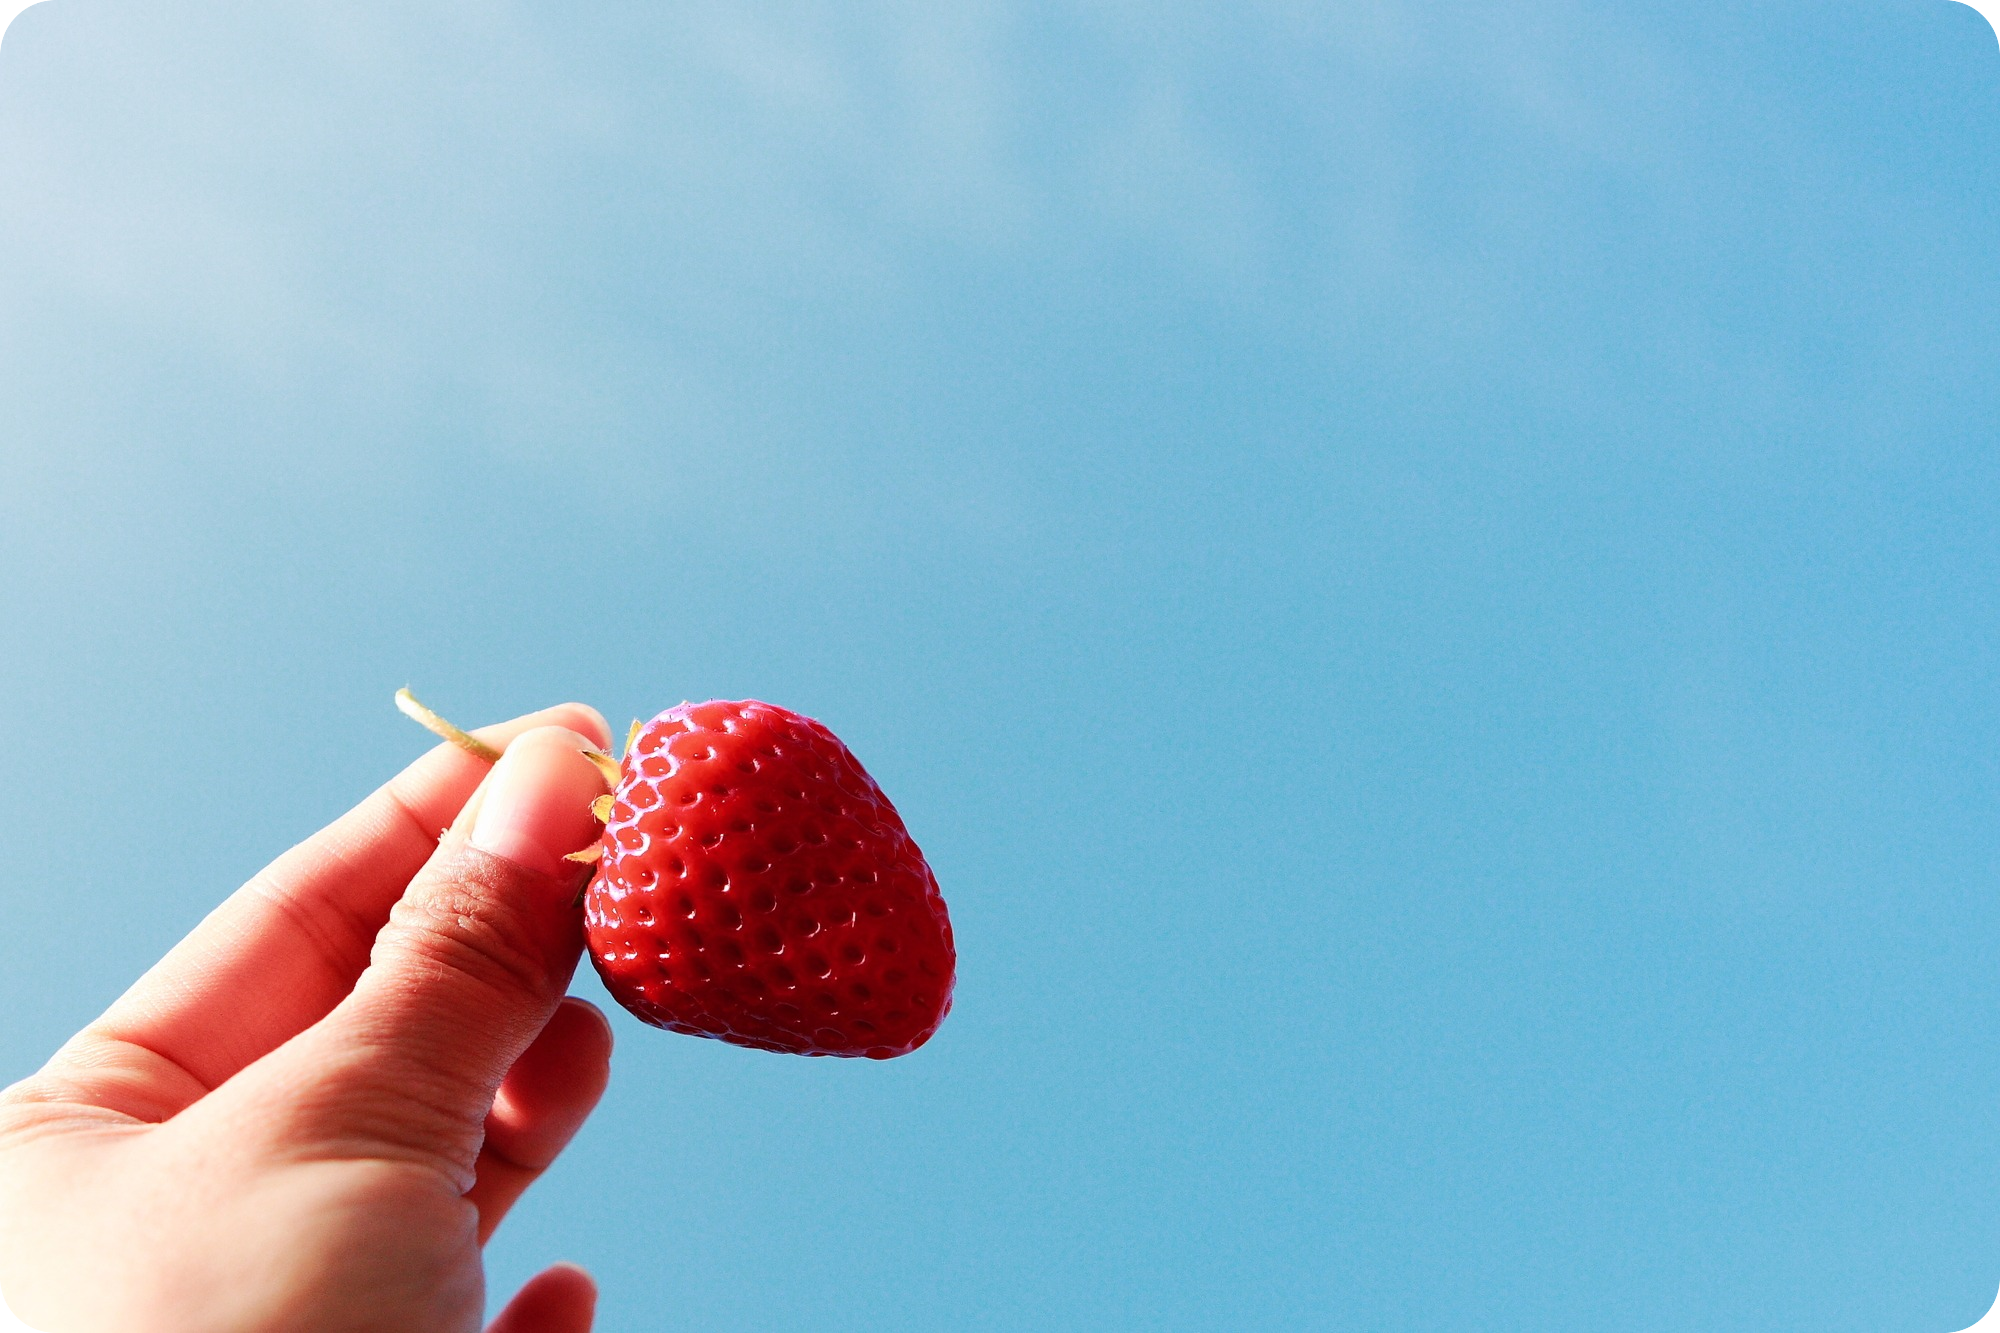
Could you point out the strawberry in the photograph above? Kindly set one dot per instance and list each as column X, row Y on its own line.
column 756, row 886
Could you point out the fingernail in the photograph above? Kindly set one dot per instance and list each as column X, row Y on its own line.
column 534, row 807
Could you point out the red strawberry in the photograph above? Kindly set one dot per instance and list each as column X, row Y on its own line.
column 757, row 887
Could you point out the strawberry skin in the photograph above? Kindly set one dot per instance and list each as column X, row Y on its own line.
column 757, row 887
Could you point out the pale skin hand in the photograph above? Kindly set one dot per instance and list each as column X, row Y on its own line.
column 313, row 1112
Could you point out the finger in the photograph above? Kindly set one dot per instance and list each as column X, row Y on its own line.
column 470, row 967
column 281, row 952
column 542, row 1103
column 562, row 1299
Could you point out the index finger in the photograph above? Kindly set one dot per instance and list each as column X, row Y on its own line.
column 280, row 952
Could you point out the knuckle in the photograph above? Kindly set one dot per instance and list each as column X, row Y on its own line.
column 421, row 1124
column 464, row 924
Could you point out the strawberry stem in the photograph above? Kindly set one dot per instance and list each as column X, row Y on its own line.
column 424, row 717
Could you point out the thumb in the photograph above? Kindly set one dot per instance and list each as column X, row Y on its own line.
column 474, row 960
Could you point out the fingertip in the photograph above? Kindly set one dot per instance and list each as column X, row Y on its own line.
column 567, row 1282
column 574, row 1276
column 583, row 718
column 577, row 717
column 572, row 1055
column 562, row 1298
column 575, row 1009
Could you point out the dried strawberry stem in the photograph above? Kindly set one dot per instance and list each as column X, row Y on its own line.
column 479, row 749
column 424, row 717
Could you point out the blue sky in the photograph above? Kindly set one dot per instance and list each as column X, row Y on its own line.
column 1425, row 575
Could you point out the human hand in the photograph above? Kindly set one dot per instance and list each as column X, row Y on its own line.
column 313, row 1112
